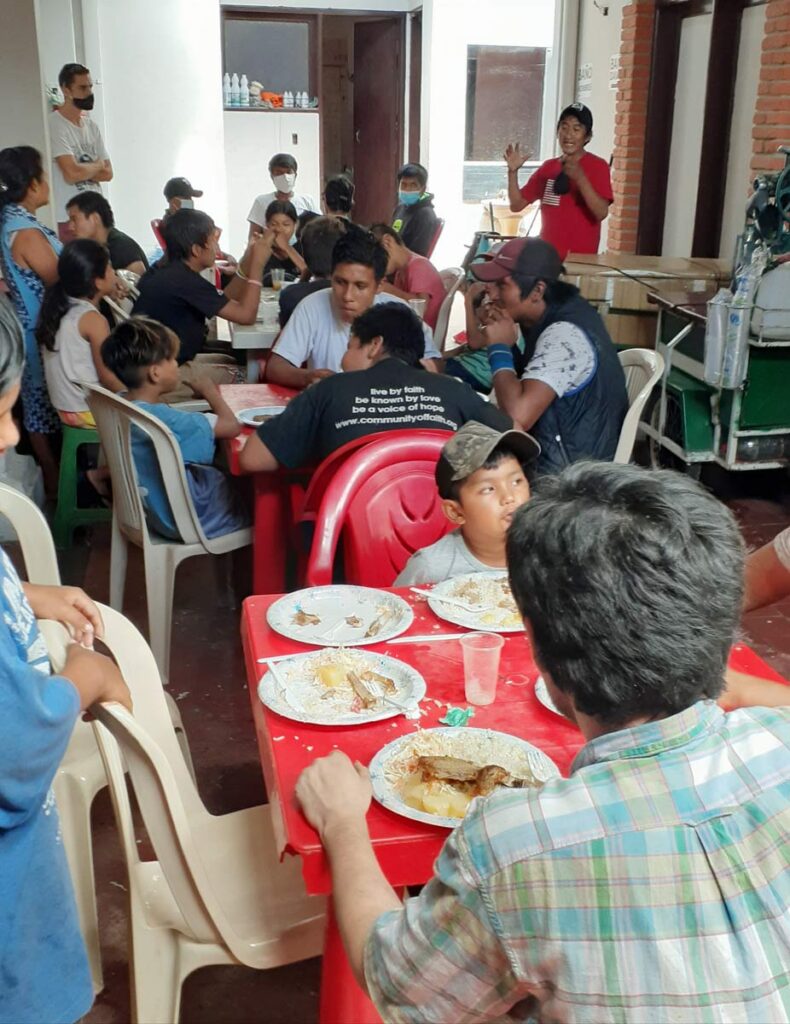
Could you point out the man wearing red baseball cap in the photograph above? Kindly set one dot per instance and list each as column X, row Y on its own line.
column 571, row 397
column 574, row 189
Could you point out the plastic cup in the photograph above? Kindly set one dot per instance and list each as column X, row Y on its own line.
column 278, row 277
column 418, row 305
column 482, row 652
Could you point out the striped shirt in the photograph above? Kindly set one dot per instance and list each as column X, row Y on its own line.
column 656, row 878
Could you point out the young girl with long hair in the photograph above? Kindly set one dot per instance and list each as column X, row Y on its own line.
column 71, row 329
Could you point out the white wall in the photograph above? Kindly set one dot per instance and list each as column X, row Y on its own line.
column 449, row 26
column 686, row 147
column 160, row 65
column 740, row 154
column 599, row 41
column 57, row 44
column 23, row 110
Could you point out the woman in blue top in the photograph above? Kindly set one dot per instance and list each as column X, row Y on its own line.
column 43, row 968
column 29, row 261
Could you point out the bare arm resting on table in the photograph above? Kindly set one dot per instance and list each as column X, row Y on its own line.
column 335, row 796
column 255, row 457
column 280, row 371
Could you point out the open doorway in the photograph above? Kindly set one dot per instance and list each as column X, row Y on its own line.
column 370, row 84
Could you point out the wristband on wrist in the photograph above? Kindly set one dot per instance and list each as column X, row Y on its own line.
column 500, row 357
column 257, row 284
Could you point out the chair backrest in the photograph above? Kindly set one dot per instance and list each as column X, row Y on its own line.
column 643, row 369
column 319, row 481
column 452, row 278
column 115, row 418
column 169, row 803
column 156, row 227
column 119, row 314
column 383, row 499
column 34, row 536
column 436, row 236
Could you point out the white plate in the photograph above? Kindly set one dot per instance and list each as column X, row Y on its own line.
column 489, row 619
column 542, row 693
column 335, row 605
column 247, row 416
column 484, row 745
column 293, row 690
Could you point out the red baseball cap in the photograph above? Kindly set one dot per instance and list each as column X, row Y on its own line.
column 529, row 256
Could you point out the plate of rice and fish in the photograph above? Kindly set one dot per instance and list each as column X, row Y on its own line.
column 260, row 414
column 490, row 605
column 340, row 616
column 341, row 687
column 433, row 775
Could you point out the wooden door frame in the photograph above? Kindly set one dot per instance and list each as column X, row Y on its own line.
column 719, row 104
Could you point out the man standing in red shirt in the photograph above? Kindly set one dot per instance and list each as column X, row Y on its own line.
column 574, row 189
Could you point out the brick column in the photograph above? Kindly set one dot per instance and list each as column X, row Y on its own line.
column 636, row 42
column 772, row 114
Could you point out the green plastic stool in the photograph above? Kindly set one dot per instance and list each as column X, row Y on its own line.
column 68, row 514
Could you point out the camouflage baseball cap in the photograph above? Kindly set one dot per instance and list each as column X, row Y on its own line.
column 468, row 449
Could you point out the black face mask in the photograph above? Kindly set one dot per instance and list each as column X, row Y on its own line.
column 561, row 184
column 84, row 102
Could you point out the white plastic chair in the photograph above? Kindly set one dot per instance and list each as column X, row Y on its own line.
column 114, row 418
column 81, row 773
column 217, row 892
column 643, row 369
column 452, row 278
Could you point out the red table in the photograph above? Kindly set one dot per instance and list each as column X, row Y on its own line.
column 406, row 850
column 270, row 490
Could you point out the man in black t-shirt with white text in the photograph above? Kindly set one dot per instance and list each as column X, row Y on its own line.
column 382, row 387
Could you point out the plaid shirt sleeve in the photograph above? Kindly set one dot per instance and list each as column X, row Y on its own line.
column 440, row 958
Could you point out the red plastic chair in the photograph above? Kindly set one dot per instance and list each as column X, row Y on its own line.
column 383, row 499
column 156, row 227
column 436, row 236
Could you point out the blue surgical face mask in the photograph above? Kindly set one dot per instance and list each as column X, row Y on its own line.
column 408, row 198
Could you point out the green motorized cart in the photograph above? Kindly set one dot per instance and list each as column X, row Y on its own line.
column 695, row 419
column 691, row 422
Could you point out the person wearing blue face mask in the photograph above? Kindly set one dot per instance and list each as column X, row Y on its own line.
column 414, row 218
column 283, row 170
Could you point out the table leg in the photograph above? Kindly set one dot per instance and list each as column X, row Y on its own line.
column 269, row 536
column 342, row 1000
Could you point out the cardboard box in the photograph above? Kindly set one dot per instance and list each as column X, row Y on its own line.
column 625, row 283
column 637, row 330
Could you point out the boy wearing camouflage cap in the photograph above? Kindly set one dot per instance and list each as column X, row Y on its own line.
column 482, row 480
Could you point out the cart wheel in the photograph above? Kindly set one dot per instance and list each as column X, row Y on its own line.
column 661, row 457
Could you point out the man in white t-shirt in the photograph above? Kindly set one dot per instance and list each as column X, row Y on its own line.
column 283, row 169
column 79, row 159
column 318, row 330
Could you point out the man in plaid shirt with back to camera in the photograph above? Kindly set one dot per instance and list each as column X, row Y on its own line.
column 653, row 884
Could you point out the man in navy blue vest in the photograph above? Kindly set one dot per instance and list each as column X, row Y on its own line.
column 571, row 395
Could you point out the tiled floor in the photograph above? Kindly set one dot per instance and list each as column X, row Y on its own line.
column 209, row 683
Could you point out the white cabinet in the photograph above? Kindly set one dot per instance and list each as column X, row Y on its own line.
column 252, row 137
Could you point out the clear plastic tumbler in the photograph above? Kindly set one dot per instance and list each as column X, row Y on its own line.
column 482, row 652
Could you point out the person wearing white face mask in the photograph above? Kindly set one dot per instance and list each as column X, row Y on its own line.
column 282, row 168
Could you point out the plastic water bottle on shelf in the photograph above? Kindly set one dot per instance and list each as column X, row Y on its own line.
column 288, row 98
column 244, row 92
column 235, row 95
column 226, row 94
